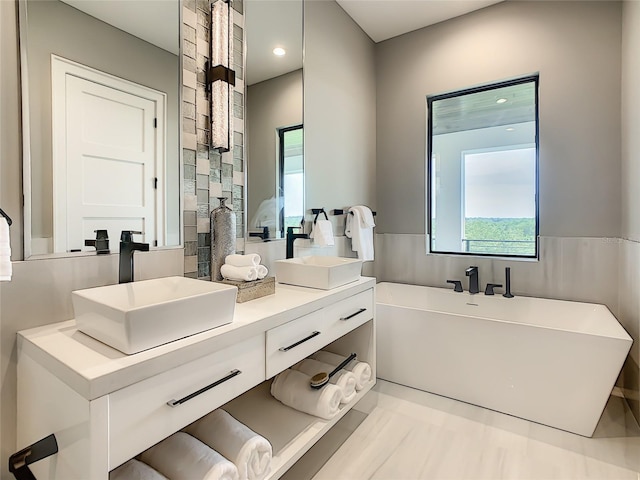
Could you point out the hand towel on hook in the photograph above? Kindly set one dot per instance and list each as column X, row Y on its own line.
column 359, row 227
column 322, row 233
column 5, row 251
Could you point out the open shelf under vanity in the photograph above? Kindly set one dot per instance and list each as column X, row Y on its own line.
column 106, row 408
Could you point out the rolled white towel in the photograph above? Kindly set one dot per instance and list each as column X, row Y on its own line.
column 262, row 271
column 135, row 470
column 343, row 379
column 250, row 452
column 231, row 272
column 362, row 370
column 292, row 388
column 182, row 457
column 248, row 260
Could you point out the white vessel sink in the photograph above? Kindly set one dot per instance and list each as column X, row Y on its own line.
column 317, row 271
column 132, row 317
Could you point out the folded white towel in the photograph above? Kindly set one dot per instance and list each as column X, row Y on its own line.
column 135, row 470
column 343, row 379
column 322, row 233
column 292, row 388
column 361, row 370
column 262, row 271
column 248, row 260
column 6, row 269
column 246, row 274
column 182, row 457
column 360, row 230
column 250, row 452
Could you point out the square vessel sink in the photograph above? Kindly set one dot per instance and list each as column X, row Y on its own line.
column 132, row 317
column 318, row 271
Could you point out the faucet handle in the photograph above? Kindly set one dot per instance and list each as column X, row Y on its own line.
column 490, row 287
column 457, row 285
column 127, row 235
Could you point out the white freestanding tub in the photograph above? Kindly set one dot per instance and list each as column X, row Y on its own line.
column 550, row 361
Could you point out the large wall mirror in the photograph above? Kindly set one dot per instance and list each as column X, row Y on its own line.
column 274, row 117
column 101, row 96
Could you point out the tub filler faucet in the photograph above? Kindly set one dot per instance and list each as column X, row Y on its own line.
column 472, row 273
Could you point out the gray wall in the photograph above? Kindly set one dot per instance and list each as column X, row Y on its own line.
column 271, row 104
column 576, row 48
column 339, row 110
column 629, row 278
column 55, row 27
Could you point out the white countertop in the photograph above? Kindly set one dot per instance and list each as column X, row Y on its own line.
column 94, row 369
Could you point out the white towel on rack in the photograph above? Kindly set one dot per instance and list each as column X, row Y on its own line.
column 135, row 470
column 231, row 272
column 343, row 379
column 322, row 233
column 248, row 260
column 359, row 228
column 362, row 370
column 5, row 251
column 182, row 457
column 250, row 452
column 292, row 388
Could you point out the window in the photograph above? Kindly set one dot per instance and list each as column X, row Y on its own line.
column 291, row 177
column 483, row 181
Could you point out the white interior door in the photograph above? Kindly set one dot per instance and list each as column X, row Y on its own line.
column 109, row 163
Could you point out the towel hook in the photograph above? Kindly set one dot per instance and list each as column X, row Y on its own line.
column 318, row 211
column 19, row 462
column 9, row 221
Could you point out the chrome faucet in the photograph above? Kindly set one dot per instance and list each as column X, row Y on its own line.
column 291, row 237
column 472, row 273
column 127, row 247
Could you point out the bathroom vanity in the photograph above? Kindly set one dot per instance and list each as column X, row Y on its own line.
column 106, row 407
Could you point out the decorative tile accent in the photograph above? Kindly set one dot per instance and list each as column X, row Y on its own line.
column 207, row 173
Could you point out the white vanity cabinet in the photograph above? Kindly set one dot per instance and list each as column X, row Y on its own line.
column 106, row 407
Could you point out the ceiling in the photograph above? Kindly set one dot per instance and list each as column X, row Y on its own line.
column 384, row 19
column 271, row 23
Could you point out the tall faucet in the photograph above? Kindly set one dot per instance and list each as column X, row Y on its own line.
column 127, row 247
column 291, row 237
column 472, row 273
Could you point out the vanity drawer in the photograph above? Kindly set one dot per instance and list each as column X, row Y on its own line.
column 297, row 339
column 140, row 415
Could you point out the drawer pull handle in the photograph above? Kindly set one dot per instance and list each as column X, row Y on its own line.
column 175, row 403
column 286, row 349
column 354, row 314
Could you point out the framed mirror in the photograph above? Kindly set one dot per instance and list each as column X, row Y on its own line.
column 483, row 170
column 101, row 129
column 274, row 123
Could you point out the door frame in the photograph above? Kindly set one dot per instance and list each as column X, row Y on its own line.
column 60, row 68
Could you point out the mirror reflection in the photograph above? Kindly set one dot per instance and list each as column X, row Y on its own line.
column 483, row 155
column 102, row 105
column 274, row 123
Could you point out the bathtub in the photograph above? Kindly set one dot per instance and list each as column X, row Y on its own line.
column 549, row 361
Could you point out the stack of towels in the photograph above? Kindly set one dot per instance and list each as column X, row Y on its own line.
column 243, row 268
column 5, row 251
column 216, row 447
column 292, row 387
column 359, row 228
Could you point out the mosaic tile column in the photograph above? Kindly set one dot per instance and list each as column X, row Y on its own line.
column 207, row 173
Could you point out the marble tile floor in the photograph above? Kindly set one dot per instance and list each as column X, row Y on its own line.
column 399, row 433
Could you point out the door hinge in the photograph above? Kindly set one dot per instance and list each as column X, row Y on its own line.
column 155, row 123
column 155, row 183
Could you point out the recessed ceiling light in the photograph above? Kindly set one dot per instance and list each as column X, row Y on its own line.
column 510, row 129
column 279, row 51
column 501, row 100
